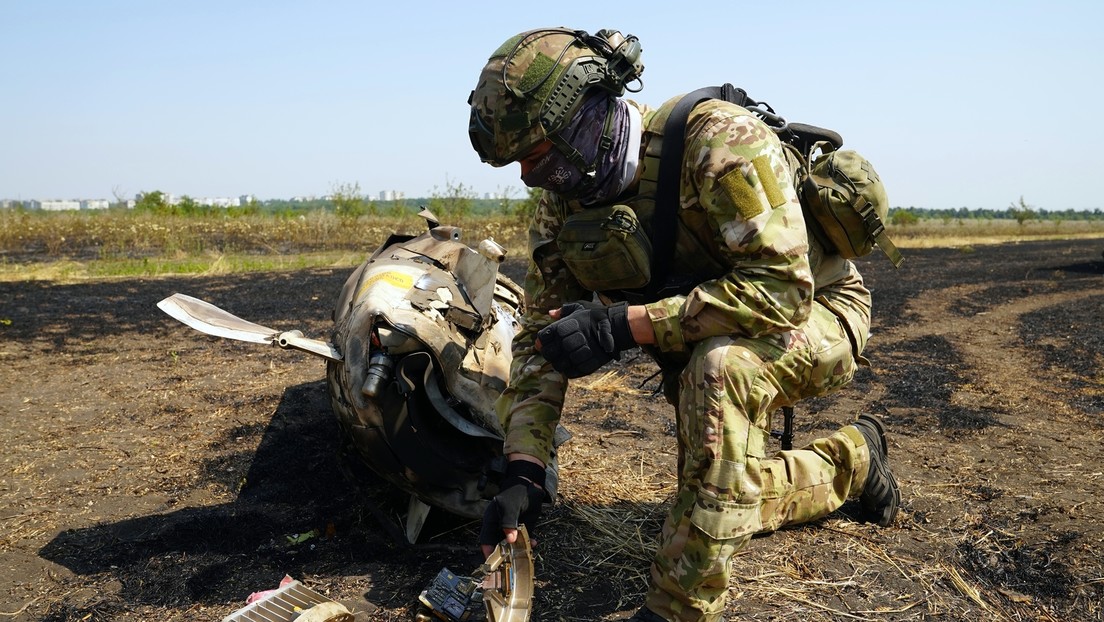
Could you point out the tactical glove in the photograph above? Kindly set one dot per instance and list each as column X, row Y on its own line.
column 518, row 501
column 587, row 336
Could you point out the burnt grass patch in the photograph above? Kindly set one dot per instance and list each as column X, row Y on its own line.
column 303, row 506
column 1012, row 566
column 1069, row 343
column 1007, row 271
column 924, row 374
column 94, row 527
column 991, row 297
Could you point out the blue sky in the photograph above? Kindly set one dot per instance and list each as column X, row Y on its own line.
column 957, row 104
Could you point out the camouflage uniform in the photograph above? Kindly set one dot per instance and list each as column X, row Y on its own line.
column 771, row 321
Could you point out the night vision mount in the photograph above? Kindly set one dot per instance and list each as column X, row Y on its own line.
column 617, row 66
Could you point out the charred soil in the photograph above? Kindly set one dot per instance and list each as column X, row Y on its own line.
column 153, row 473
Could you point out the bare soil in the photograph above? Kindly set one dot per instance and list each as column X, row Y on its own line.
column 152, row 473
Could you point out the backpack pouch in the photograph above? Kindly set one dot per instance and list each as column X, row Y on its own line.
column 605, row 248
column 852, row 203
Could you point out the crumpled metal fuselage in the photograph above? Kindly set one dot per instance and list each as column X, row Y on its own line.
column 419, row 353
column 424, row 328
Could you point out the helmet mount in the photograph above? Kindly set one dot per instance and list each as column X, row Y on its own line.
column 617, row 66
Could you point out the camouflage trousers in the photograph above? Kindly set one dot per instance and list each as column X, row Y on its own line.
column 728, row 488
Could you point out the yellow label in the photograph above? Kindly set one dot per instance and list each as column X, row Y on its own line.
column 395, row 279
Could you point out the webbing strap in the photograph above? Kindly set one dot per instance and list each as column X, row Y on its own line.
column 665, row 220
column 875, row 228
column 889, row 248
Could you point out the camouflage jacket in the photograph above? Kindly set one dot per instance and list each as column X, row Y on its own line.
column 741, row 233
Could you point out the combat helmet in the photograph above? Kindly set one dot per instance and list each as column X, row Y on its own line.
column 534, row 82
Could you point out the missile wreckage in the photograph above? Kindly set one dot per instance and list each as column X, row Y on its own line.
column 419, row 352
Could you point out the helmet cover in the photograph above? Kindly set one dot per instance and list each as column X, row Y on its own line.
column 533, row 84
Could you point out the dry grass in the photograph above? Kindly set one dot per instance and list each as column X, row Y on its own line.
column 942, row 561
column 619, row 512
column 75, row 245
column 118, row 243
column 617, row 507
column 122, row 233
column 957, row 233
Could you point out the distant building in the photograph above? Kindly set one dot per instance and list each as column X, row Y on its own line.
column 172, row 199
column 55, row 205
column 58, row 205
column 219, row 201
column 391, row 195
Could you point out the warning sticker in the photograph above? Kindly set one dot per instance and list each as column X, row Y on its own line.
column 394, row 279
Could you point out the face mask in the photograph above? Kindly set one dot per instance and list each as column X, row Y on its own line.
column 556, row 173
column 553, row 172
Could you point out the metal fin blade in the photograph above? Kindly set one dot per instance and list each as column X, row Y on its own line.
column 295, row 340
column 207, row 318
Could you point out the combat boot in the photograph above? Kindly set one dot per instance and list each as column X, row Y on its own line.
column 880, row 497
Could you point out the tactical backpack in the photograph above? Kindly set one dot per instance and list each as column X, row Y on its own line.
column 848, row 205
column 842, row 198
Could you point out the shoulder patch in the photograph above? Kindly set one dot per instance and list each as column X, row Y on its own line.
column 769, row 181
column 742, row 195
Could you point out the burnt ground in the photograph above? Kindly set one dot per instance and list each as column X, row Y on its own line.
column 152, row 473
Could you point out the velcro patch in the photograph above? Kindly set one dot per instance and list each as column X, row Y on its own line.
column 769, row 181
column 742, row 195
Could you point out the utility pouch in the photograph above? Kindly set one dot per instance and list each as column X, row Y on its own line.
column 605, row 248
column 848, row 205
column 729, row 515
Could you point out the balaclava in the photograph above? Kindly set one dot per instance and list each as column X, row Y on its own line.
column 613, row 168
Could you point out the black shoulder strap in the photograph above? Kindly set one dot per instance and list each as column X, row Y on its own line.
column 665, row 219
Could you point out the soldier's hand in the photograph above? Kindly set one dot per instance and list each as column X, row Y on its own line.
column 586, row 336
column 518, row 502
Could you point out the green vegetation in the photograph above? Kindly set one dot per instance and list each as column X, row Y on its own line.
column 348, row 202
column 921, row 227
column 1022, row 212
column 1019, row 212
column 147, row 242
column 902, row 218
column 156, row 238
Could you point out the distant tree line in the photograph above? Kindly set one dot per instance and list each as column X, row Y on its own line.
column 157, row 203
column 456, row 200
column 1020, row 212
column 347, row 201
